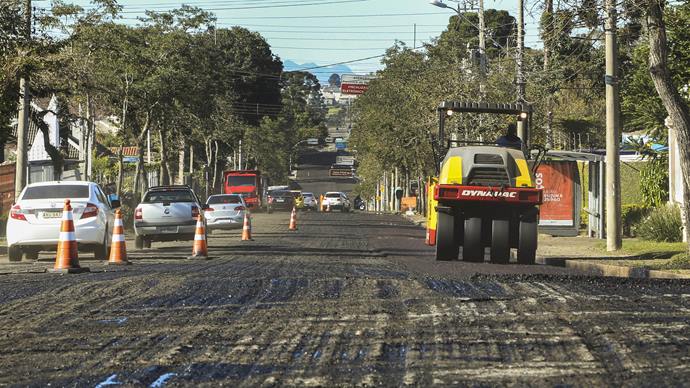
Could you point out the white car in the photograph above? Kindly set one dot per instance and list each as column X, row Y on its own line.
column 310, row 201
column 34, row 221
column 225, row 211
column 166, row 213
column 337, row 201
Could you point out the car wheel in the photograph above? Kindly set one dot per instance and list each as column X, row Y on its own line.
column 15, row 253
column 139, row 242
column 269, row 210
column 31, row 254
column 101, row 250
column 147, row 243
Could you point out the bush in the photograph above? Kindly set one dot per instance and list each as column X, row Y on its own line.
column 631, row 216
column 654, row 182
column 663, row 224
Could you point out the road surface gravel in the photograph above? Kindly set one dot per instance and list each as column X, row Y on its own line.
column 348, row 299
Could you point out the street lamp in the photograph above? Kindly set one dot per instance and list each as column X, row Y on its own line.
column 439, row 3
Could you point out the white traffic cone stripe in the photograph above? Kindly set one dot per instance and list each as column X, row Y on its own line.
column 67, row 236
column 118, row 222
column 199, row 237
column 67, row 215
column 118, row 238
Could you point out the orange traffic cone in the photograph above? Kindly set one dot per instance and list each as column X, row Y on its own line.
column 67, row 258
column 293, row 220
column 247, row 228
column 118, row 248
column 200, row 249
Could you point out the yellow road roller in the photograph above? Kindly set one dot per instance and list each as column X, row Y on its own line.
column 485, row 195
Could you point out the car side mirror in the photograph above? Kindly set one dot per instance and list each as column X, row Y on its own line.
column 205, row 206
column 114, row 201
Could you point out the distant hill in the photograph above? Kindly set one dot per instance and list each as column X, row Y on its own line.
column 321, row 73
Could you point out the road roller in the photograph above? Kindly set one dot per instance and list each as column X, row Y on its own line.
column 485, row 195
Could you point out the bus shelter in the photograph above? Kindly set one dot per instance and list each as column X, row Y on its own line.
column 559, row 176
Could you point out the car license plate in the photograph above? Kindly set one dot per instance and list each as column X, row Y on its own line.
column 51, row 214
column 167, row 229
column 280, row 200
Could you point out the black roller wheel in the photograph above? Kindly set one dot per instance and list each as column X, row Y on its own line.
column 15, row 253
column 139, row 242
column 472, row 248
column 527, row 239
column 446, row 244
column 500, row 241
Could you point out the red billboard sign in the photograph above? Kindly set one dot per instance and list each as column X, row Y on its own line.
column 557, row 181
column 355, row 83
column 353, row 88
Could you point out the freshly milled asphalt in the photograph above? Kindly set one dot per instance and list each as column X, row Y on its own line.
column 348, row 299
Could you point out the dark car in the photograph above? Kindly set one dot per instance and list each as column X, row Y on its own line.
column 280, row 200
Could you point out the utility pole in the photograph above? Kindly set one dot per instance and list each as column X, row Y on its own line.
column 613, row 178
column 23, row 117
column 548, row 20
column 521, row 124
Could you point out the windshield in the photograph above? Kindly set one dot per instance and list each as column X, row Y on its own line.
column 280, row 194
column 57, row 191
column 241, row 180
column 333, row 195
column 169, row 196
column 224, row 199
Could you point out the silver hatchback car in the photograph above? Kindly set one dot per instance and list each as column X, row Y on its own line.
column 166, row 213
column 225, row 211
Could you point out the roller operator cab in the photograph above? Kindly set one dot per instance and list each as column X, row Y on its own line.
column 485, row 197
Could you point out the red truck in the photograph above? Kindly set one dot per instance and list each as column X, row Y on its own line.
column 248, row 183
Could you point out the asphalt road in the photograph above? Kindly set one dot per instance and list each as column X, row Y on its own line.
column 348, row 299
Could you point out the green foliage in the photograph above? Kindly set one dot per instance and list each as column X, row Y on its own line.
column 173, row 76
column 631, row 216
column 630, row 183
column 662, row 224
column 304, row 109
column 267, row 143
column 640, row 105
column 654, row 182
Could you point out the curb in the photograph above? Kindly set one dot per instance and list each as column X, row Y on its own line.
column 611, row 270
column 596, row 268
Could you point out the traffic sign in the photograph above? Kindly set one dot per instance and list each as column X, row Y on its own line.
column 354, row 83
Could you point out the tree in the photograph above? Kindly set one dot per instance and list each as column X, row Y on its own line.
column 641, row 106
column 334, row 80
column 10, row 22
column 304, row 109
column 676, row 107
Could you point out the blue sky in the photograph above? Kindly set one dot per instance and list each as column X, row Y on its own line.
column 330, row 31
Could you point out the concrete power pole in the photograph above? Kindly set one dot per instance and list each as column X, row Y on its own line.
column 613, row 177
column 520, row 80
column 548, row 12
column 23, row 118
column 482, row 47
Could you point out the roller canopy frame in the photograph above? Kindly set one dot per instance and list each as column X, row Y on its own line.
column 478, row 107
